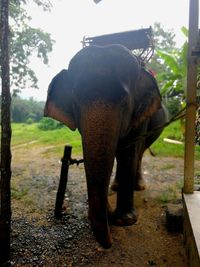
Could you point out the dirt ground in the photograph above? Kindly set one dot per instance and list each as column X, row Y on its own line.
column 38, row 239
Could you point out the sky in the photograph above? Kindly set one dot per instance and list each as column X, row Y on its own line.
column 70, row 20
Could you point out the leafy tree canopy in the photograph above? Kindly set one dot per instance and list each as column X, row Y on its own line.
column 26, row 110
column 170, row 65
column 24, row 42
column 163, row 40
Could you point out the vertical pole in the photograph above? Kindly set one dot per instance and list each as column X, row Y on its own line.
column 5, row 201
column 191, row 99
column 63, row 180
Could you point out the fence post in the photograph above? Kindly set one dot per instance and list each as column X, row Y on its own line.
column 63, row 180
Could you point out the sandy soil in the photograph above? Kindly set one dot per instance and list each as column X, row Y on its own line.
column 38, row 239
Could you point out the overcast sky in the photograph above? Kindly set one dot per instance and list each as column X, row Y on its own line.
column 70, row 20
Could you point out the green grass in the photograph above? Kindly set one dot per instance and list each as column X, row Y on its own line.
column 171, row 193
column 25, row 133
column 18, row 194
column 165, row 149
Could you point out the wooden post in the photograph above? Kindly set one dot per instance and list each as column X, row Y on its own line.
column 191, row 99
column 63, row 180
column 5, row 204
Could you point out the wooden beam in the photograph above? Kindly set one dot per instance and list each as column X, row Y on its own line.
column 191, row 99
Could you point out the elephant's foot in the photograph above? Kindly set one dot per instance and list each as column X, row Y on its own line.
column 140, row 184
column 124, row 219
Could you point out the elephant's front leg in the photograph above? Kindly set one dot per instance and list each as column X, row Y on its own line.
column 125, row 174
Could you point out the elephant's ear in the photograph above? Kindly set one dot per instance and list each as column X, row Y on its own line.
column 59, row 100
column 147, row 98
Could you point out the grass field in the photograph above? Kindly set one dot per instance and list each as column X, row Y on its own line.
column 56, row 139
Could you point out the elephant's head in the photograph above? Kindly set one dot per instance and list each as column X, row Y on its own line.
column 104, row 93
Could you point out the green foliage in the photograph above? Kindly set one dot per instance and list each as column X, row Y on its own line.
column 26, row 110
column 29, row 121
column 170, row 65
column 171, row 193
column 45, row 4
column 18, row 193
column 172, row 104
column 24, row 42
column 174, row 77
column 163, row 148
column 47, row 124
column 163, row 40
column 160, row 147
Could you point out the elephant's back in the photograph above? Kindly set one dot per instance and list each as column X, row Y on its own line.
column 100, row 72
column 99, row 58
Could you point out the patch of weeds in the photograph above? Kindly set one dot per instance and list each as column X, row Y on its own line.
column 179, row 185
column 171, row 193
column 29, row 202
column 18, row 194
column 164, row 197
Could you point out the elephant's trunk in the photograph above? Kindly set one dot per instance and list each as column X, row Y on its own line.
column 99, row 130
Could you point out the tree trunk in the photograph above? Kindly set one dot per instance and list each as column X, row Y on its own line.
column 5, row 204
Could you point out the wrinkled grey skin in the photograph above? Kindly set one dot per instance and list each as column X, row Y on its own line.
column 111, row 100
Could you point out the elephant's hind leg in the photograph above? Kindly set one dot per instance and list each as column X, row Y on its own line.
column 125, row 213
column 139, row 180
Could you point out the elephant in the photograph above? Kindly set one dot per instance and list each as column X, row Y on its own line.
column 114, row 103
column 150, row 131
